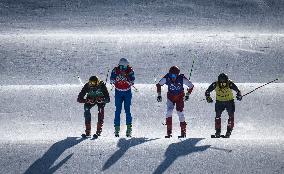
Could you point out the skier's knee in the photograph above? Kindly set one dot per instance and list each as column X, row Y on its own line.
column 181, row 116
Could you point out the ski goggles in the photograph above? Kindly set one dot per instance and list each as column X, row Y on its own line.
column 122, row 67
column 94, row 83
column 173, row 76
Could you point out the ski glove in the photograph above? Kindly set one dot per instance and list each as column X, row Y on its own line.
column 186, row 97
column 209, row 99
column 90, row 101
column 239, row 96
column 159, row 98
column 107, row 99
column 80, row 100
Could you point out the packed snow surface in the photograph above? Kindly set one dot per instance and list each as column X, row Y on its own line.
column 46, row 44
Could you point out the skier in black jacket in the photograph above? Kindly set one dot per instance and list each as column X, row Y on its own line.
column 224, row 100
column 96, row 94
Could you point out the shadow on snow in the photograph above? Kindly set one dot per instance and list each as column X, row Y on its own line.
column 180, row 149
column 124, row 145
column 43, row 164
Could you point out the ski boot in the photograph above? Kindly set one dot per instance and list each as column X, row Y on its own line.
column 129, row 130
column 99, row 130
column 228, row 133
column 182, row 130
column 217, row 134
column 116, row 131
column 169, row 127
column 87, row 131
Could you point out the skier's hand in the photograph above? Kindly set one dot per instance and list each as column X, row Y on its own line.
column 239, row 97
column 81, row 100
column 100, row 100
column 186, row 97
column 107, row 99
column 159, row 98
column 209, row 99
column 90, row 101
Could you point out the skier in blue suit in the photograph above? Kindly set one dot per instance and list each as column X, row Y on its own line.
column 122, row 77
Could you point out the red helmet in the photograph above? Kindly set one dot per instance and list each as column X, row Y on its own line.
column 174, row 70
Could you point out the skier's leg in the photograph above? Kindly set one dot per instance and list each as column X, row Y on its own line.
column 100, row 118
column 127, row 105
column 170, row 108
column 179, row 108
column 87, row 115
column 219, row 108
column 118, row 107
column 231, row 110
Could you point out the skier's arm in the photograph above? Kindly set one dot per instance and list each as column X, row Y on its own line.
column 159, row 88
column 131, row 76
column 189, row 85
column 82, row 94
column 210, row 89
column 207, row 92
column 161, row 83
column 234, row 87
column 105, row 92
column 112, row 77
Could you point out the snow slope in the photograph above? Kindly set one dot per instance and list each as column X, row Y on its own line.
column 45, row 44
column 41, row 127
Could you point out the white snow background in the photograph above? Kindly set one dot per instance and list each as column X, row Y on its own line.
column 44, row 45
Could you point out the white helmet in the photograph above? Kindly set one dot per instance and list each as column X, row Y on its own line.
column 123, row 62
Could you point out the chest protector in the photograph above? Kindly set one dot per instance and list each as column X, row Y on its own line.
column 122, row 78
column 175, row 87
column 95, row 92
column 224, row 94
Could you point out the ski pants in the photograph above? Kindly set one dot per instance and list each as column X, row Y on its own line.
column 87, row 114
column 125, row 98
column 220, row 106
column 177, row 100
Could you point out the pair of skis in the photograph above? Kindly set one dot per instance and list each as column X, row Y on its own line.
column 95, row 136
column 221, row 136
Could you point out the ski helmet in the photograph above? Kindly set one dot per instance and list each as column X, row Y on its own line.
column 123, row 62
column 223, row 77
column 174, row 70
column 94, row 80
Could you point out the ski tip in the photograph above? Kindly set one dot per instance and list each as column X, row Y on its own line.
column 85, row 136
column 214, row 136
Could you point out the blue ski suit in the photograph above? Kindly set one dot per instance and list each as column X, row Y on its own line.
column 122, row 80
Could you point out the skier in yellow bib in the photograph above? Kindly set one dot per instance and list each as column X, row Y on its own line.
column 224, row 100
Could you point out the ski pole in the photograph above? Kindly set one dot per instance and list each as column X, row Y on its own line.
column 135, row 89
column 260, row 87
column 191, row 69
column 80, row 80
column 107, row 75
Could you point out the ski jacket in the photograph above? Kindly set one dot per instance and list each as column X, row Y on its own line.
column 176, row 87
column 94, row 92
column 122, row 79
column 223, row 94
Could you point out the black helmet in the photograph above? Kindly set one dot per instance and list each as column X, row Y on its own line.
column 223, row 77
column 174, row 70
column 94, row 80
